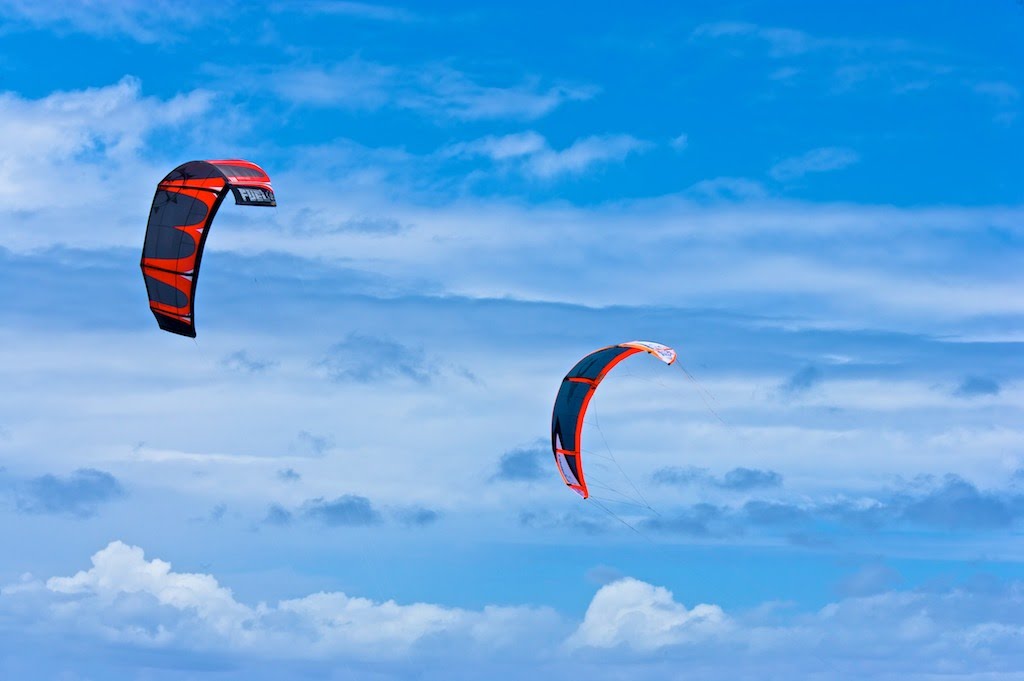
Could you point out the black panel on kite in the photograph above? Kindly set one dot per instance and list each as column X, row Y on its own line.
column 184, row 206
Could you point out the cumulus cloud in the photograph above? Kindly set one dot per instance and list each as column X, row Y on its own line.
column 738, row 479
column 129, row 600
column 958, row 505
column 347, row 510
column 645, row 618
column 573, row 521
column 277, row 515
column 288, row 475
column 698, row 520
column 350, row 510
column 524, row 463
column 417, row 516
column 977, row 386
column 948, row 503
column 126, row 602
column 79, row 494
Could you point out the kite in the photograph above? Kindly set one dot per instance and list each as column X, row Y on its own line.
column 574, row 395
column 184, row 206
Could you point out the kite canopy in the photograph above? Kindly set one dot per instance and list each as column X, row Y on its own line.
column 574, row 395
column 184, row 206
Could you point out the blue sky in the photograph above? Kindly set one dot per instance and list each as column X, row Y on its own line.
column 347, row 476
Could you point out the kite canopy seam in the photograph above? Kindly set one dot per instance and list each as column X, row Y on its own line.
column 578, row 386
column 184, row 205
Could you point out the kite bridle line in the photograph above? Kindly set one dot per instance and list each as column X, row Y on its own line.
column 702, row 392
column 611, row 454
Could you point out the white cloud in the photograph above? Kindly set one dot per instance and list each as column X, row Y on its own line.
column 1001, row 91
column 728, row 188
column 83, row 152
column 360, row 10
column 455, row 94
column 584, row 153
column 504, row 148
column 122, row 589
column 146, row 21
column 819, row 160
column 785, row 42
column 645, row 618
column 532, row 155
column 87, row 151
column 437, row 91
column 126, row 602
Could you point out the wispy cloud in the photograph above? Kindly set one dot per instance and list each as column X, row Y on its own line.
column 288, row 475
column 417, row 516
column 821, row 160
column 584, row 153
column 530, row 153
column 313, row 443
column 871, row 579
column 728, row 189
column 435, row 91
column 159, row 21
column 801, row 382
column 1000, row 90
column 368, row 359
column 242, row 361
column 71, row 137
column 358, row 10
column 573, row 521
column 785, row 42
column 371, row 359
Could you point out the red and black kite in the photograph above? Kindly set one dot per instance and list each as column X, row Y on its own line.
column 574, row 395
column 184, row 206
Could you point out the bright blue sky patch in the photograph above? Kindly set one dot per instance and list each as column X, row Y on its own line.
column 345, row 475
